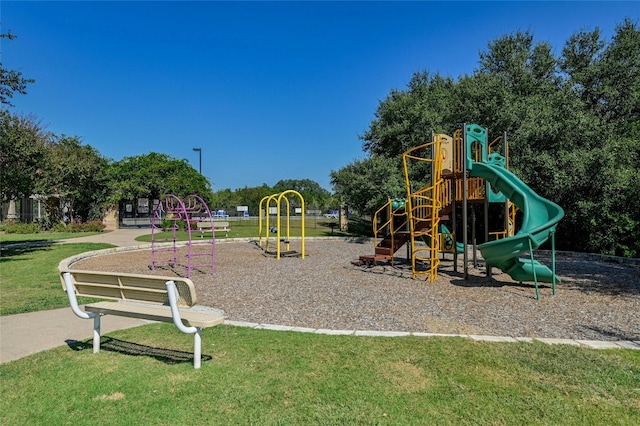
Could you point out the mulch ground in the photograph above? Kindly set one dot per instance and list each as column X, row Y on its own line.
column 596, row 300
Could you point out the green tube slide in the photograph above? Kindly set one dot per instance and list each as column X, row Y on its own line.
column 540, row 218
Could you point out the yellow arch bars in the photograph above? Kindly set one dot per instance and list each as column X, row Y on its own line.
column 278, row 197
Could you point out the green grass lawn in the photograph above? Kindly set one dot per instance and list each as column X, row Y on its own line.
column 145, row 375
column 29, row 276
column 6, row 239
column 250, row 229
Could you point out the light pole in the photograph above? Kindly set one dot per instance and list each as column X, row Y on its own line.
column 199, row 150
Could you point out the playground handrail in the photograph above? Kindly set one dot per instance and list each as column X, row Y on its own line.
column 378, row 229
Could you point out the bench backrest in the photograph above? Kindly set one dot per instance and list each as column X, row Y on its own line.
column 130, row 287
column 214, row 224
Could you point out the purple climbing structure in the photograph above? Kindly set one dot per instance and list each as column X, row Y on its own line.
column 168, row 215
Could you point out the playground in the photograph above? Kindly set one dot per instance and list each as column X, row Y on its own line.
column 469, row 289
column 595, row 300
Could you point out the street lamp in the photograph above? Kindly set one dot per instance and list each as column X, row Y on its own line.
column 199, row 150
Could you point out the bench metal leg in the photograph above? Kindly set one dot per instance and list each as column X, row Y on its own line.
column 197, row 348
column 96, row 334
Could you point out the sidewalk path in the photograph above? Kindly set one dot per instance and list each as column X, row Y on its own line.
column 119, row 237
column 25, row 334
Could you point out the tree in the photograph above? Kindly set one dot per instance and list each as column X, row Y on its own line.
column 313, row 194
column 523, row 66
column 153, row 176
column 407, row 117
column 251, row 197
column 22, row 154
column 11, row 81
column 227, row 200
column 606, row 76
column 75, row 175
column 580, row 60
column 621, row 76
column 367, row 184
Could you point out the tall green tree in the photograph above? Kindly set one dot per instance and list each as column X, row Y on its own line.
column 525, row 67
column 75, row 174
column 621, row 76
column 365, row 185
column 581, row 62
column 313, row 194
column 22, row 154
column 407, row 117
column 153, row 176
column 251, row 197
column 227, row 200
column 606, row 76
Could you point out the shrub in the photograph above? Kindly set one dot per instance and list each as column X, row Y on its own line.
column 167, row 224
column 77, row 226
column 20, row 228
column 46, row 223
column 93, row 226
column 59, row 227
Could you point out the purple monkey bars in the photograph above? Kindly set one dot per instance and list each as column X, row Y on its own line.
column 166, row 216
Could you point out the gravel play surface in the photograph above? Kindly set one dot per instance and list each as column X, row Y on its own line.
column 596, row 300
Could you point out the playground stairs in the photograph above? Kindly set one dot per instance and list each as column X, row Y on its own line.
column 392, row 242
column 421, row 213
column 385, row 249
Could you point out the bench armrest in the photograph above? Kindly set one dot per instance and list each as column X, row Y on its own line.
column 172, row 292
column 73, row 300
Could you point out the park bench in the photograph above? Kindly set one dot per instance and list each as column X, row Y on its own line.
column 218, row 226
column 150, row 297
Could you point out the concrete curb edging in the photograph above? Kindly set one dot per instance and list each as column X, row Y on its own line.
column 593, row 344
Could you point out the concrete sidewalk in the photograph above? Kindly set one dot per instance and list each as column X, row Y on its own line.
column 119, row 237
column 25, row 334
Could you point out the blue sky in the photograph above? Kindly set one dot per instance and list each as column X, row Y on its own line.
column 268, row 90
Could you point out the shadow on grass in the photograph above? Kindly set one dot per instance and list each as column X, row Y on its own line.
column 168, row 356
column 11, row 250
column 331, row 225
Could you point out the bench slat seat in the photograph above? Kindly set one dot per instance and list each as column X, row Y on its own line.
column 157, row 313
